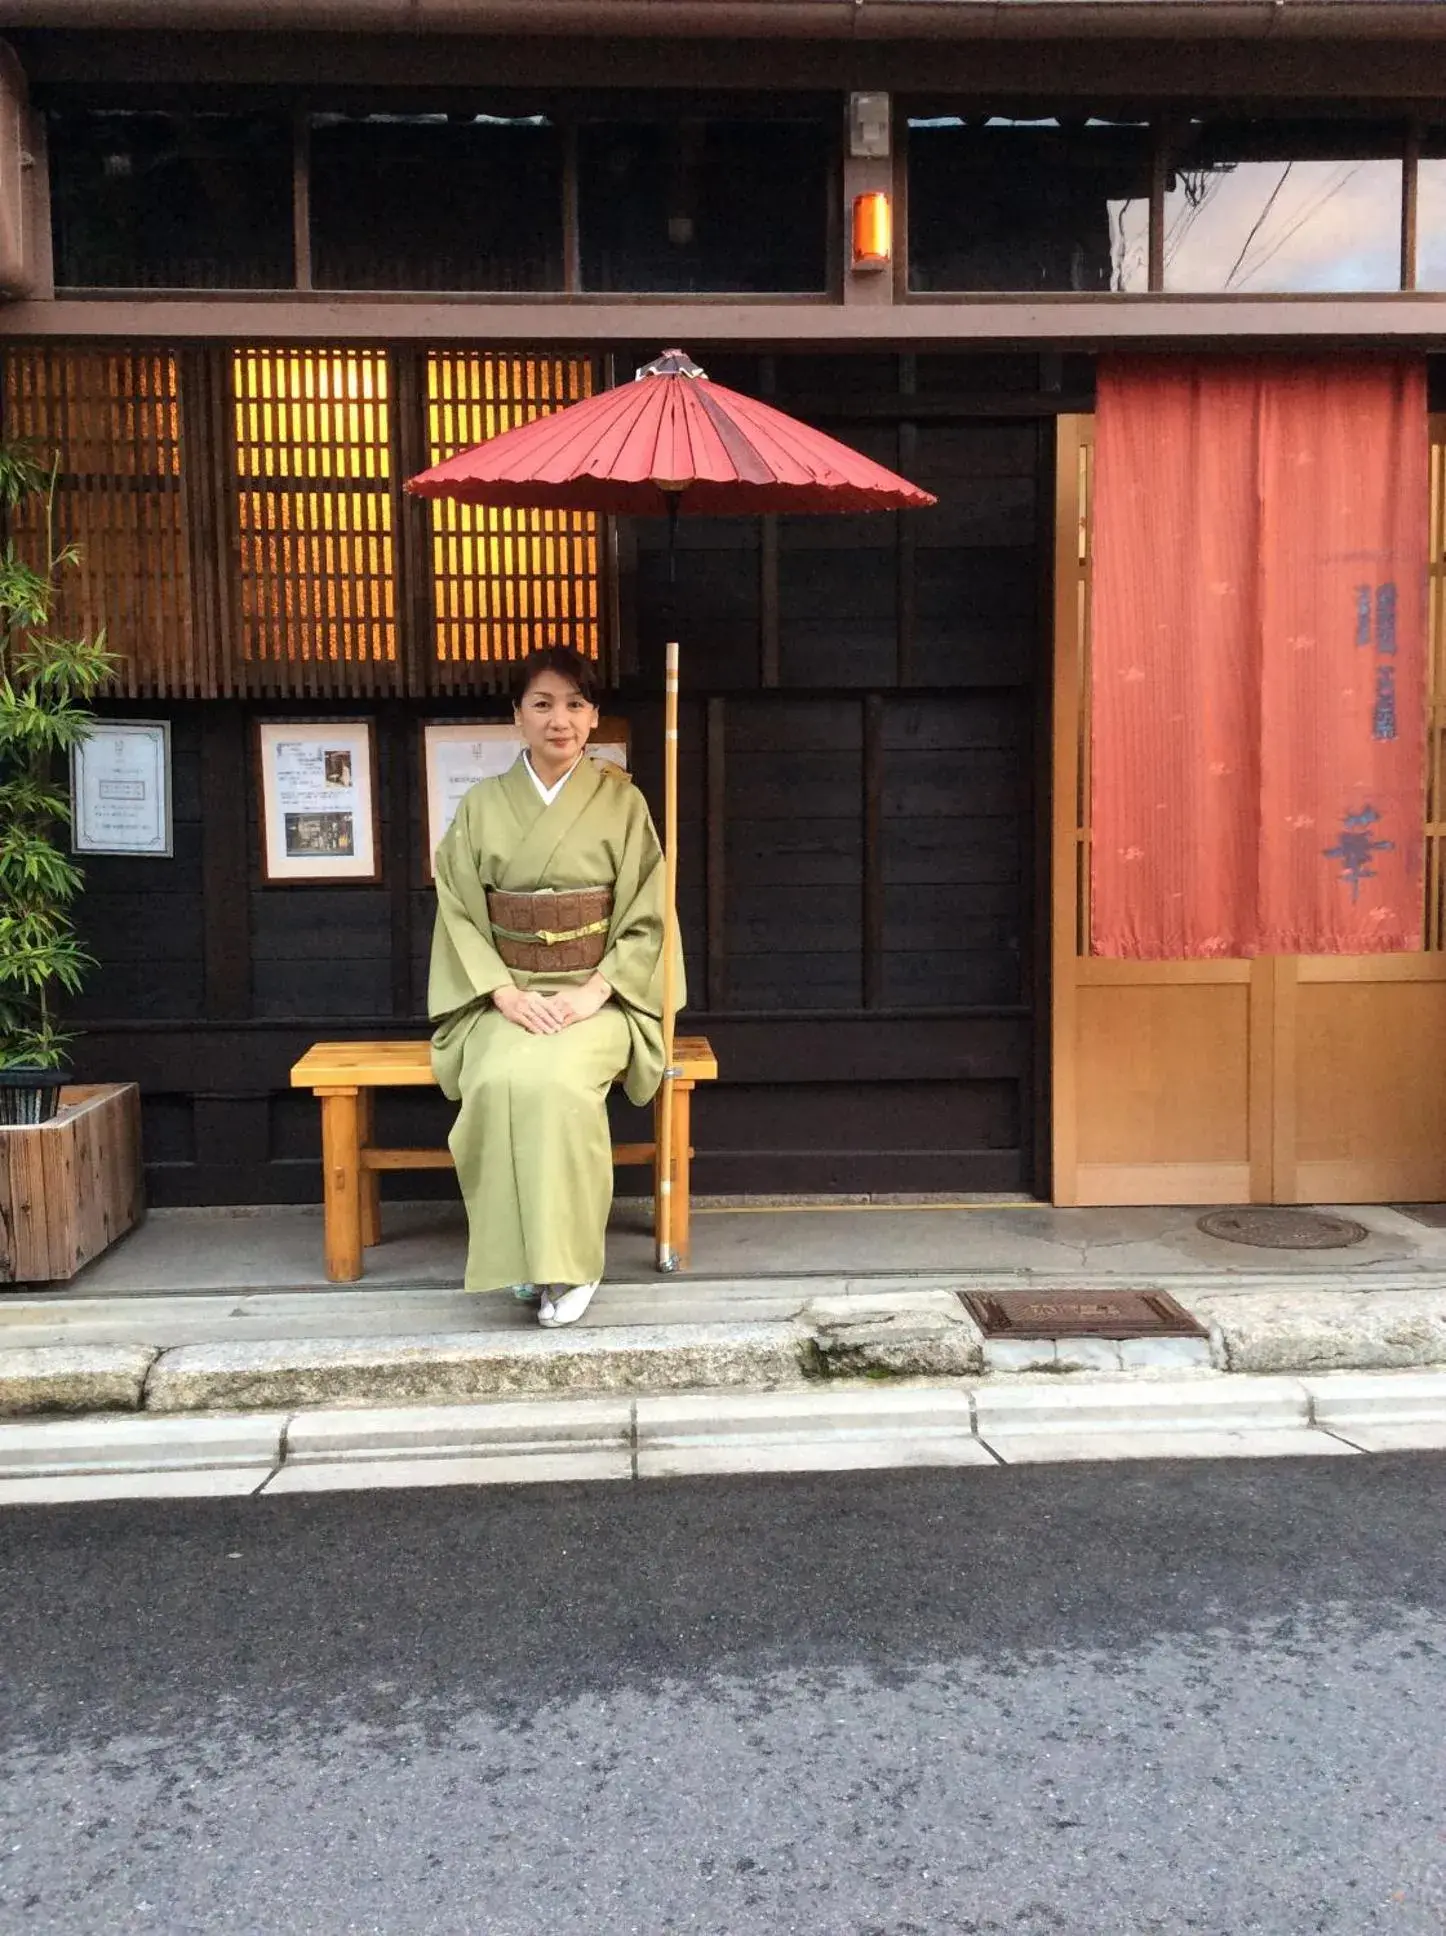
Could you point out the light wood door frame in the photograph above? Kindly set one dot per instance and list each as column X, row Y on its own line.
column 1300, row 1112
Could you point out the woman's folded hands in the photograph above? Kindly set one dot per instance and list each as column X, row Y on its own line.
column 543, row 1014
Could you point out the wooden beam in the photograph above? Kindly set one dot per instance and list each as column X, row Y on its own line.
column 1067, row 699
column 571, row 223
column 873, row 844
column 1159, row 168
column 905, row 559
column 717, row 851
column 768, row 645
column 399, row 736
column 225, row 907
column 1184, row 66
column 408, row 453
column 301, row 196
column 1410, row 205
column 1414, row 319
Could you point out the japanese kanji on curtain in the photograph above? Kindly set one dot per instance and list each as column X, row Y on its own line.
column 1258, row 656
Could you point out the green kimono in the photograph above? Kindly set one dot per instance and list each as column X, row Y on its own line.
column 531, row 1141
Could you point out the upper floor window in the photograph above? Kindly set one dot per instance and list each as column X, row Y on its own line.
column 436, row 201
column 704, row 205
column 998, row 202
column 1264, row 207
column 176, row 200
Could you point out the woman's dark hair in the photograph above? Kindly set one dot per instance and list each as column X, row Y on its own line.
column 562, row 660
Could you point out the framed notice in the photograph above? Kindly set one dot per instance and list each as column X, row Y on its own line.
column 120, row 789
column 318, row 790
column 456, row 755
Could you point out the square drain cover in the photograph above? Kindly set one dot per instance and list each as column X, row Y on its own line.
column 1080, row 1314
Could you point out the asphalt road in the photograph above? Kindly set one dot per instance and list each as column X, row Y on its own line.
column 1109, row 1699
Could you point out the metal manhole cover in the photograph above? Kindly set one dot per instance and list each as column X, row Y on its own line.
column 1272, row 1228
column 1081, row 1314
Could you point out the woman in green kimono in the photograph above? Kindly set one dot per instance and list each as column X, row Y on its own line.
column 546, row 983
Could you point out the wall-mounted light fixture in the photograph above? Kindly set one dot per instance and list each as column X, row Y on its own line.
column 873, row 240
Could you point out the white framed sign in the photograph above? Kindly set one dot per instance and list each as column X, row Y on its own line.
column 456, row 755
column 317, row 783
column 120, row 789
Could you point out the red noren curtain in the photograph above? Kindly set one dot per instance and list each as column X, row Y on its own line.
column 1258, row 651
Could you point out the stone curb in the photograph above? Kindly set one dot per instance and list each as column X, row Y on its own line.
column 348, row 1371
column 74, row 1378
column 894, row 1332
column 1309, row 1331
column 831, row 1426
column 920, row 1334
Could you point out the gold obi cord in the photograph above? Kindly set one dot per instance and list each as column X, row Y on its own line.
column 551, row 933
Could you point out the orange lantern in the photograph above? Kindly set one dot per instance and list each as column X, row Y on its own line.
column 873, row 231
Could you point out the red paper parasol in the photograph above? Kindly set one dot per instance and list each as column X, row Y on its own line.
column 671, row 442
column 672, row 439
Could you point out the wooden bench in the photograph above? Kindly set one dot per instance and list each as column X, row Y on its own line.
column 346, row 1075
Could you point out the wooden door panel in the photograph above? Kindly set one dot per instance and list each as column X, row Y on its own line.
column 1369, row 1096
column 1163, row 1075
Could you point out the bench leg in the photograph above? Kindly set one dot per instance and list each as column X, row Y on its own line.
column 371, row 1180
column 682, row 1158
column 341, row 1184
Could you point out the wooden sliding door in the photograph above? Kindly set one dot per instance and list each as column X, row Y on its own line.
column 1287, row 1079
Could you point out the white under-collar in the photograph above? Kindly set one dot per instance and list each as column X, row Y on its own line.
column 549, row 793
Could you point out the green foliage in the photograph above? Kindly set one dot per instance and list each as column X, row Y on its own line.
column 46, row 684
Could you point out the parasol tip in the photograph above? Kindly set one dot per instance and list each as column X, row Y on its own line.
column 671, row 363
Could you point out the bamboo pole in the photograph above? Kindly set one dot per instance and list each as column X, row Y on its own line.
column 667, row 1257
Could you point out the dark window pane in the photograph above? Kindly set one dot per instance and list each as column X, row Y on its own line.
column 704, row 206
column 1431, row 212
column 171, row 201
column 1002, row 204
column 435, row 202
column 1257, row 207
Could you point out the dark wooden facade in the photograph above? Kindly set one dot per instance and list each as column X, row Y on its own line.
column 866, row 713
column 860, row 872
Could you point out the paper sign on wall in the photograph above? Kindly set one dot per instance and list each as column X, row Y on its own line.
column 318, row 800
column 120, row 788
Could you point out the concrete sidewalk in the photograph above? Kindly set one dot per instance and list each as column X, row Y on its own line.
column 851, row 1427
column 275, row 1249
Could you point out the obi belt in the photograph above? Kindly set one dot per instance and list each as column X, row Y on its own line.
column 550, row 932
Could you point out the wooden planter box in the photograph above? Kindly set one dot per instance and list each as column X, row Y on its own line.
column 71, row 1186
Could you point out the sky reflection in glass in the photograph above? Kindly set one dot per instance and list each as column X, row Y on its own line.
column 1431, row 224
column 1282, row 226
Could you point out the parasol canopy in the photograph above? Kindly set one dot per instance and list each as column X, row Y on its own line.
column 670, row 441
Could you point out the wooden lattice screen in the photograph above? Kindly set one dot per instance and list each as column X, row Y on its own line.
column 505, row 581
column 314, row 519
column 113, row 419
column 1435, row 926
column 243, row 527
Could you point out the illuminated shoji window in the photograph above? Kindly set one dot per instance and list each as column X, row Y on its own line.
column 111, row 421
column 314, row 518
column 506, row 581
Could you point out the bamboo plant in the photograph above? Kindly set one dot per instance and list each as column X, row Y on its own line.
column 46, row 682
